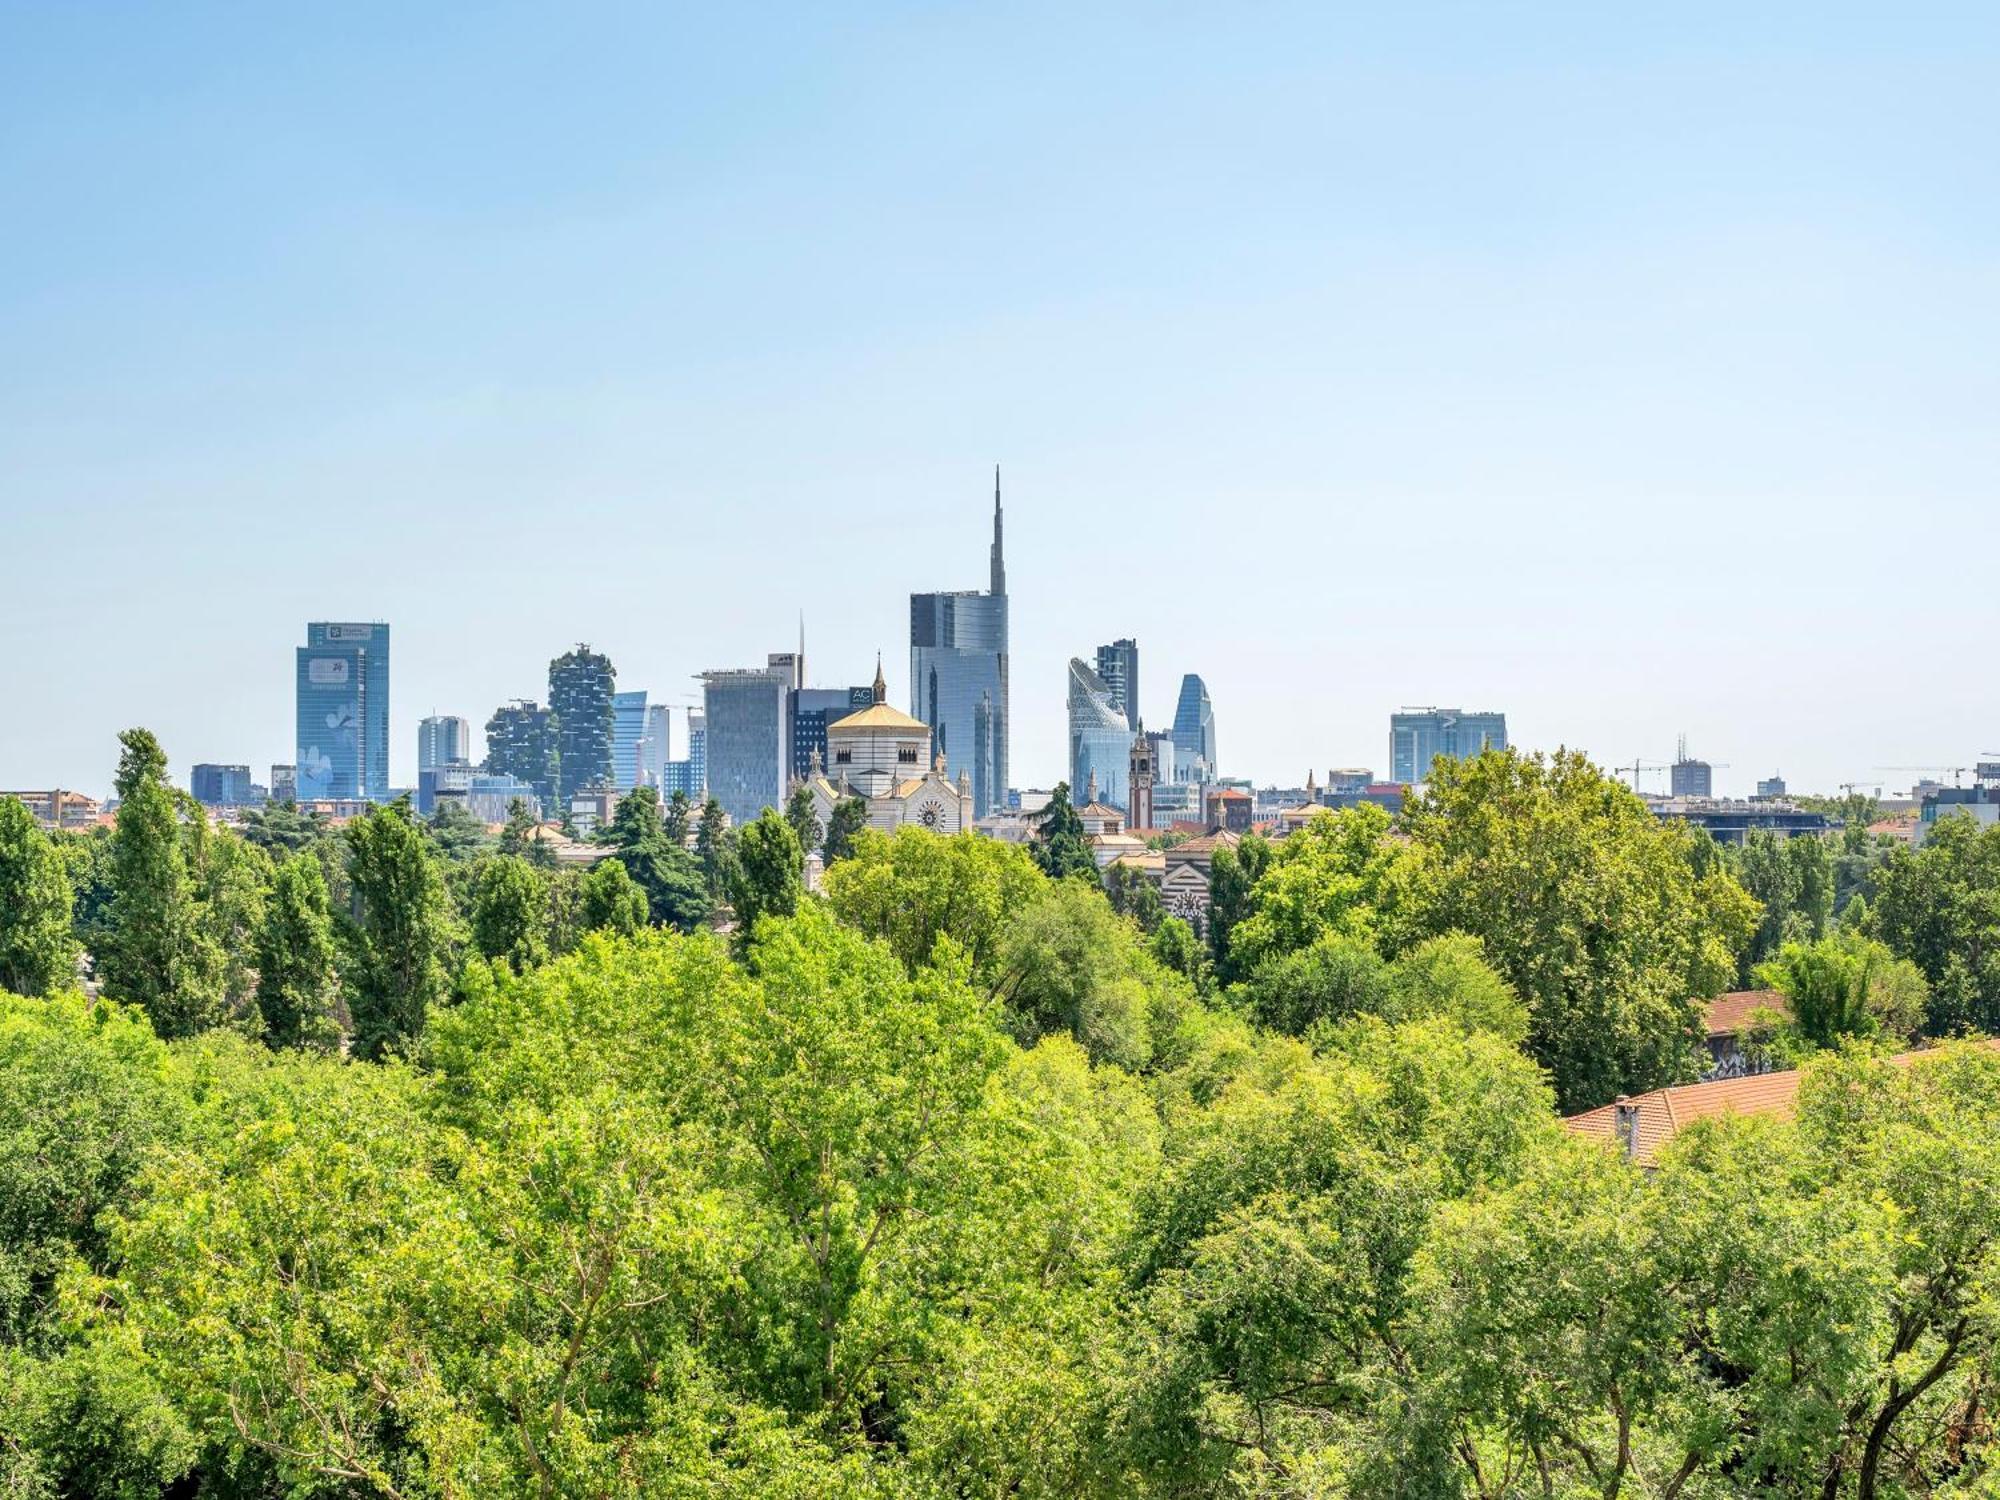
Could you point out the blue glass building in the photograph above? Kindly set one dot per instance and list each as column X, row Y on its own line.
column 343, row 711
column 1194, row 732
column 958, row 676
column 1100, row 741
column 1418, row 736
column 748, row 721
column 628, row 728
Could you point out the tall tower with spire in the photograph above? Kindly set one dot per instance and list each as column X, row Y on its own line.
column 958, row 674
column 997, row 562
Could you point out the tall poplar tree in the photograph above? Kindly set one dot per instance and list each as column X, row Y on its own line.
column 37, row 951
column 404, row 934
column 161, row 954
column 297, row 990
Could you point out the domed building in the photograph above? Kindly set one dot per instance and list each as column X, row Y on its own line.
column 883, row 756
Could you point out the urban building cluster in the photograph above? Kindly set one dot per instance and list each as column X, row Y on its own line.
column 1154, row 802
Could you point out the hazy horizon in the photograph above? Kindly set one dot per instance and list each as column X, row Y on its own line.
column 1628, row 374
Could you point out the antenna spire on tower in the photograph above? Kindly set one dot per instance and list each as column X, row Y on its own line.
column 999, row 579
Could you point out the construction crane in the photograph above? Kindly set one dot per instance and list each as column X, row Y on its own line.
column 1957, row 772
column 1641, row 765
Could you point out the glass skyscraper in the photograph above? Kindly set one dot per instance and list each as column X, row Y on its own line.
column 343, row 711
column 958, row 676
column 1194, row 732
column 442, row 740
column 1418, row 736
column 1100, row 741
column 747, row 716
column 1118, row 665
column 628, row 729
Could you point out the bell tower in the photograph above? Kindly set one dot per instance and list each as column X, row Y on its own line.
column 1140, row 812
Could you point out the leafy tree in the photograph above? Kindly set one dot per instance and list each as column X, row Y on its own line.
column 675, row 892
column 1066, row 964
column 1793, row 879
column 843, row 826
column 1585, row 904
column 1325, row 880
column 297, row 986
column 230, row 876
column 1134, row 895
column 455, row 833
column 521, row 837
column 1233, row 873
column 912, row 887
column 767, row 874
column 279, row 828
column 1336, row 977
column 1938, row 905
column 37, row 950
column 1176, row 948
column 1060, row 847
column 509, row 913
column 160, row 952
column 83, row 1097
column 612, row 902
column 1846, row 986
column 676, row 822
column 803, row 818
column 403, row 937
column 715, row 849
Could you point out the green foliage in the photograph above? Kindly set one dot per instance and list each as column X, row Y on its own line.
column 509, row 913
column 160, row 951
column 297, row 986
column 1233, row 875
column 767, row 878
column 1066, row 964
column 675, row 891
column 912, row 887
column 612, row 901
column 1326, row 880
column 1846, row 986
column 715, row 849
column 1133, row 894
column 1585, row 903
column 1177, row 949
column 455, row 833
column 802, row 816
column 1794, row 880
column 1939, row 907
column 403, row 938
column 279, row 828
column 843, row 826
column 37, row 950
column 1444, row 978
column 1060, row 848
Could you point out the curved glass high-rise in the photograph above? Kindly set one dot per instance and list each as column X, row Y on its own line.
column 958, row 676
column 343, row 711
column 1194, row 731
column 1100, row 741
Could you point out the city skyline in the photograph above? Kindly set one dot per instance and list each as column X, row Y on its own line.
column 1351, row 361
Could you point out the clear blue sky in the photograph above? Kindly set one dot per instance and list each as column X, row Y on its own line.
column 1630, row 369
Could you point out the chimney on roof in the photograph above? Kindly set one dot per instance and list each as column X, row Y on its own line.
column 1626, row 1126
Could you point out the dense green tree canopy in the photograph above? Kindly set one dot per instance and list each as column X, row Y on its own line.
column 37, row 950
column 956, row 1183
column 1586, row 904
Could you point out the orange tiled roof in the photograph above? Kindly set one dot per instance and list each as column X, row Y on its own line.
column 1728, row 1014
column 1665, row 1113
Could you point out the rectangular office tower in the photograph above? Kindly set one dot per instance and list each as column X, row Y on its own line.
column 442, row 740
column 958, row 676
column 1418, row 736
column 747, row 714
column 1118, row 665
column 343, row 711
column 628, row 734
